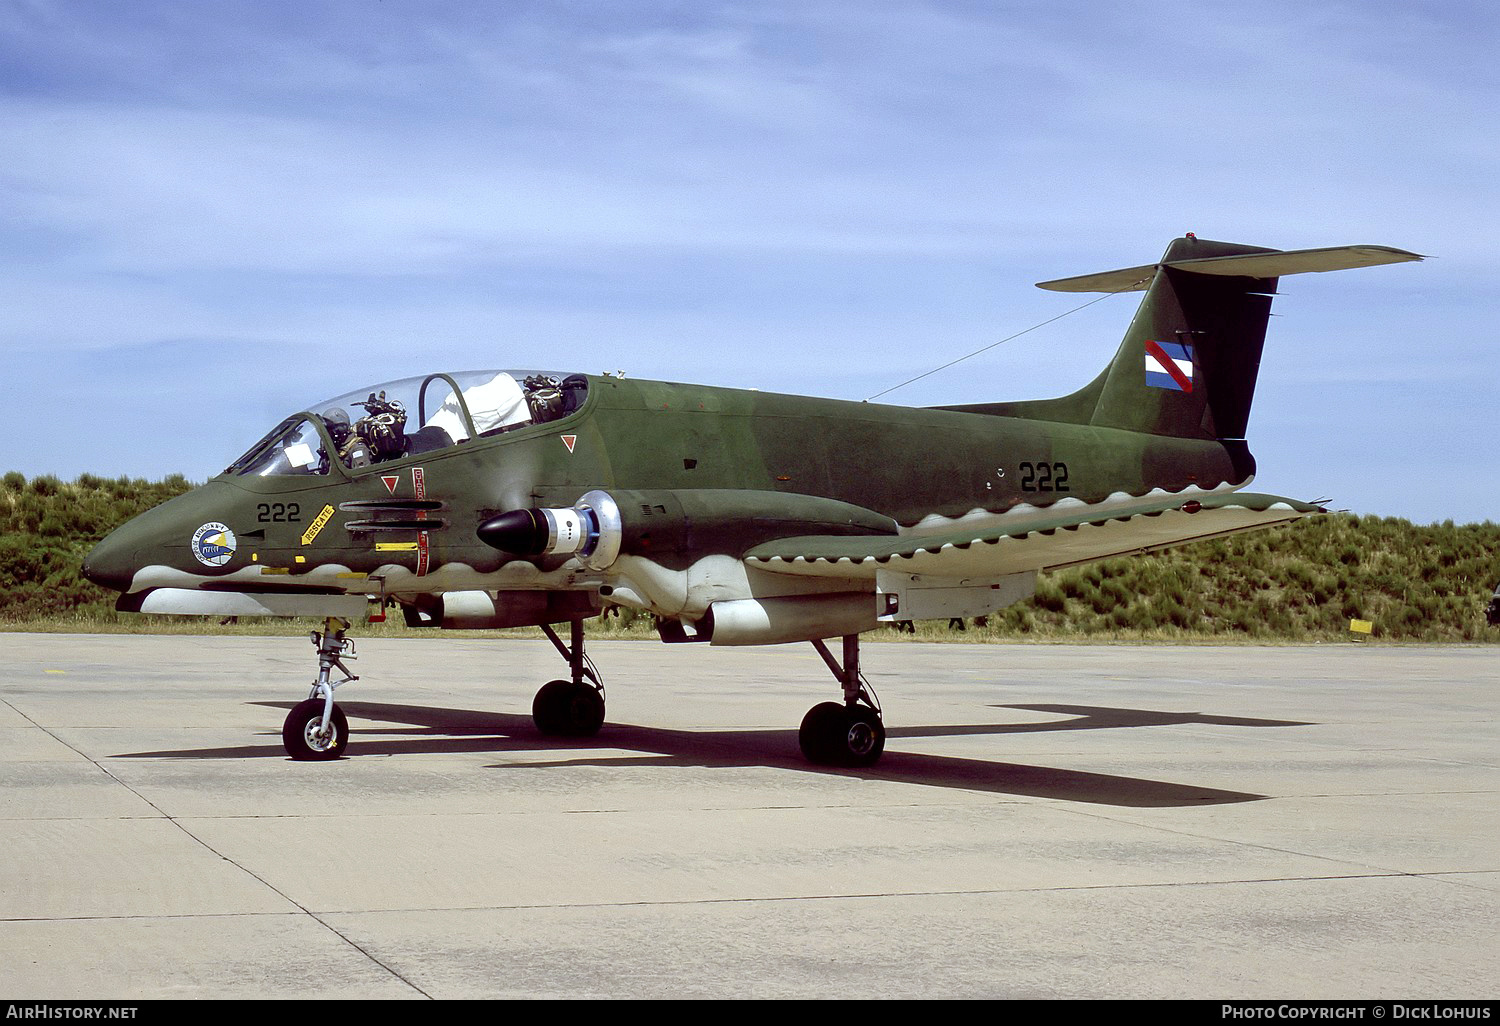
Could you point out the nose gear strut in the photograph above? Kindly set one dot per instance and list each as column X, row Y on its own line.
column 317, row 730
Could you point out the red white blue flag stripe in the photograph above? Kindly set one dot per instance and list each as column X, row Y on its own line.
column 1169, row 365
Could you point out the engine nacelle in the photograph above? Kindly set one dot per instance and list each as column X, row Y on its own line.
column 591, row 530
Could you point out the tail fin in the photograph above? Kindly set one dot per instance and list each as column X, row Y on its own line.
column 1188, row 363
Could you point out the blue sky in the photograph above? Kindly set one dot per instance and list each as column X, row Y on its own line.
column 214, row 213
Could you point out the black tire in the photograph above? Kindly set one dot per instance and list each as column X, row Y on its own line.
column 563, row 708
column 820, row 728
column 299, row 732
column 842, row 735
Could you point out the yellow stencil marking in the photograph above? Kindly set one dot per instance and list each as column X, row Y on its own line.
column 395, row 546
column 317, row 525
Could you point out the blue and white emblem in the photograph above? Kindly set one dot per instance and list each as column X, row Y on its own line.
column 1169, row 365
column 213, row 544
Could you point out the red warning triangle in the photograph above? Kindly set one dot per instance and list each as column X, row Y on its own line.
column 391, row 481
column 570, row 441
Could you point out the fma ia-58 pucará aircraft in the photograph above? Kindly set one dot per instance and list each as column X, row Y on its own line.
column 510, row 498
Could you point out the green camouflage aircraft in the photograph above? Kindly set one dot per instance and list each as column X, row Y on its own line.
column 502, row 499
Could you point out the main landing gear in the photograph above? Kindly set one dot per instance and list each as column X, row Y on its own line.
column 852, row 734
column 570, row 708
column 316, row 730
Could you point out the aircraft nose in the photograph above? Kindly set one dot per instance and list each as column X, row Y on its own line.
column 161, row 537
column 111, row 563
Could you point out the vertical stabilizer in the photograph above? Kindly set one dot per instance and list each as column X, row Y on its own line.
column 1188, row 363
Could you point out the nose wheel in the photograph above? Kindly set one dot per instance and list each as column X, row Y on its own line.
column 307, row 740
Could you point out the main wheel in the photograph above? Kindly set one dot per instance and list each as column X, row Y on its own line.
column 302, row 737
column 565, row 708
column 842, row 735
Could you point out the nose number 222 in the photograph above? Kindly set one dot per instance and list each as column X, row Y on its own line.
column 279, row 513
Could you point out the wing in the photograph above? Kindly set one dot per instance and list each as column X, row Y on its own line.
column 1032, row 539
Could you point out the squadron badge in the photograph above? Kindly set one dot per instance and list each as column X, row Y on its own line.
column 213, row 544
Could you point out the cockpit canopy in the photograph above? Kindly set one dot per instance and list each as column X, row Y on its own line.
column 410, row 417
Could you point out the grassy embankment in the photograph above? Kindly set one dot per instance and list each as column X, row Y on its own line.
column 1297, row 584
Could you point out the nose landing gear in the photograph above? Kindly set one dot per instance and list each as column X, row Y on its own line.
column 316, row 730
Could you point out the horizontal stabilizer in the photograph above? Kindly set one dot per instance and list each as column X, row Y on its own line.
column 1269, row 264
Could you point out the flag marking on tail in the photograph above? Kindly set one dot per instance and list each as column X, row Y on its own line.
column 1169, row 365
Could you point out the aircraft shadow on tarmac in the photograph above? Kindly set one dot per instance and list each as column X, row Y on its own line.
column 431, row 730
